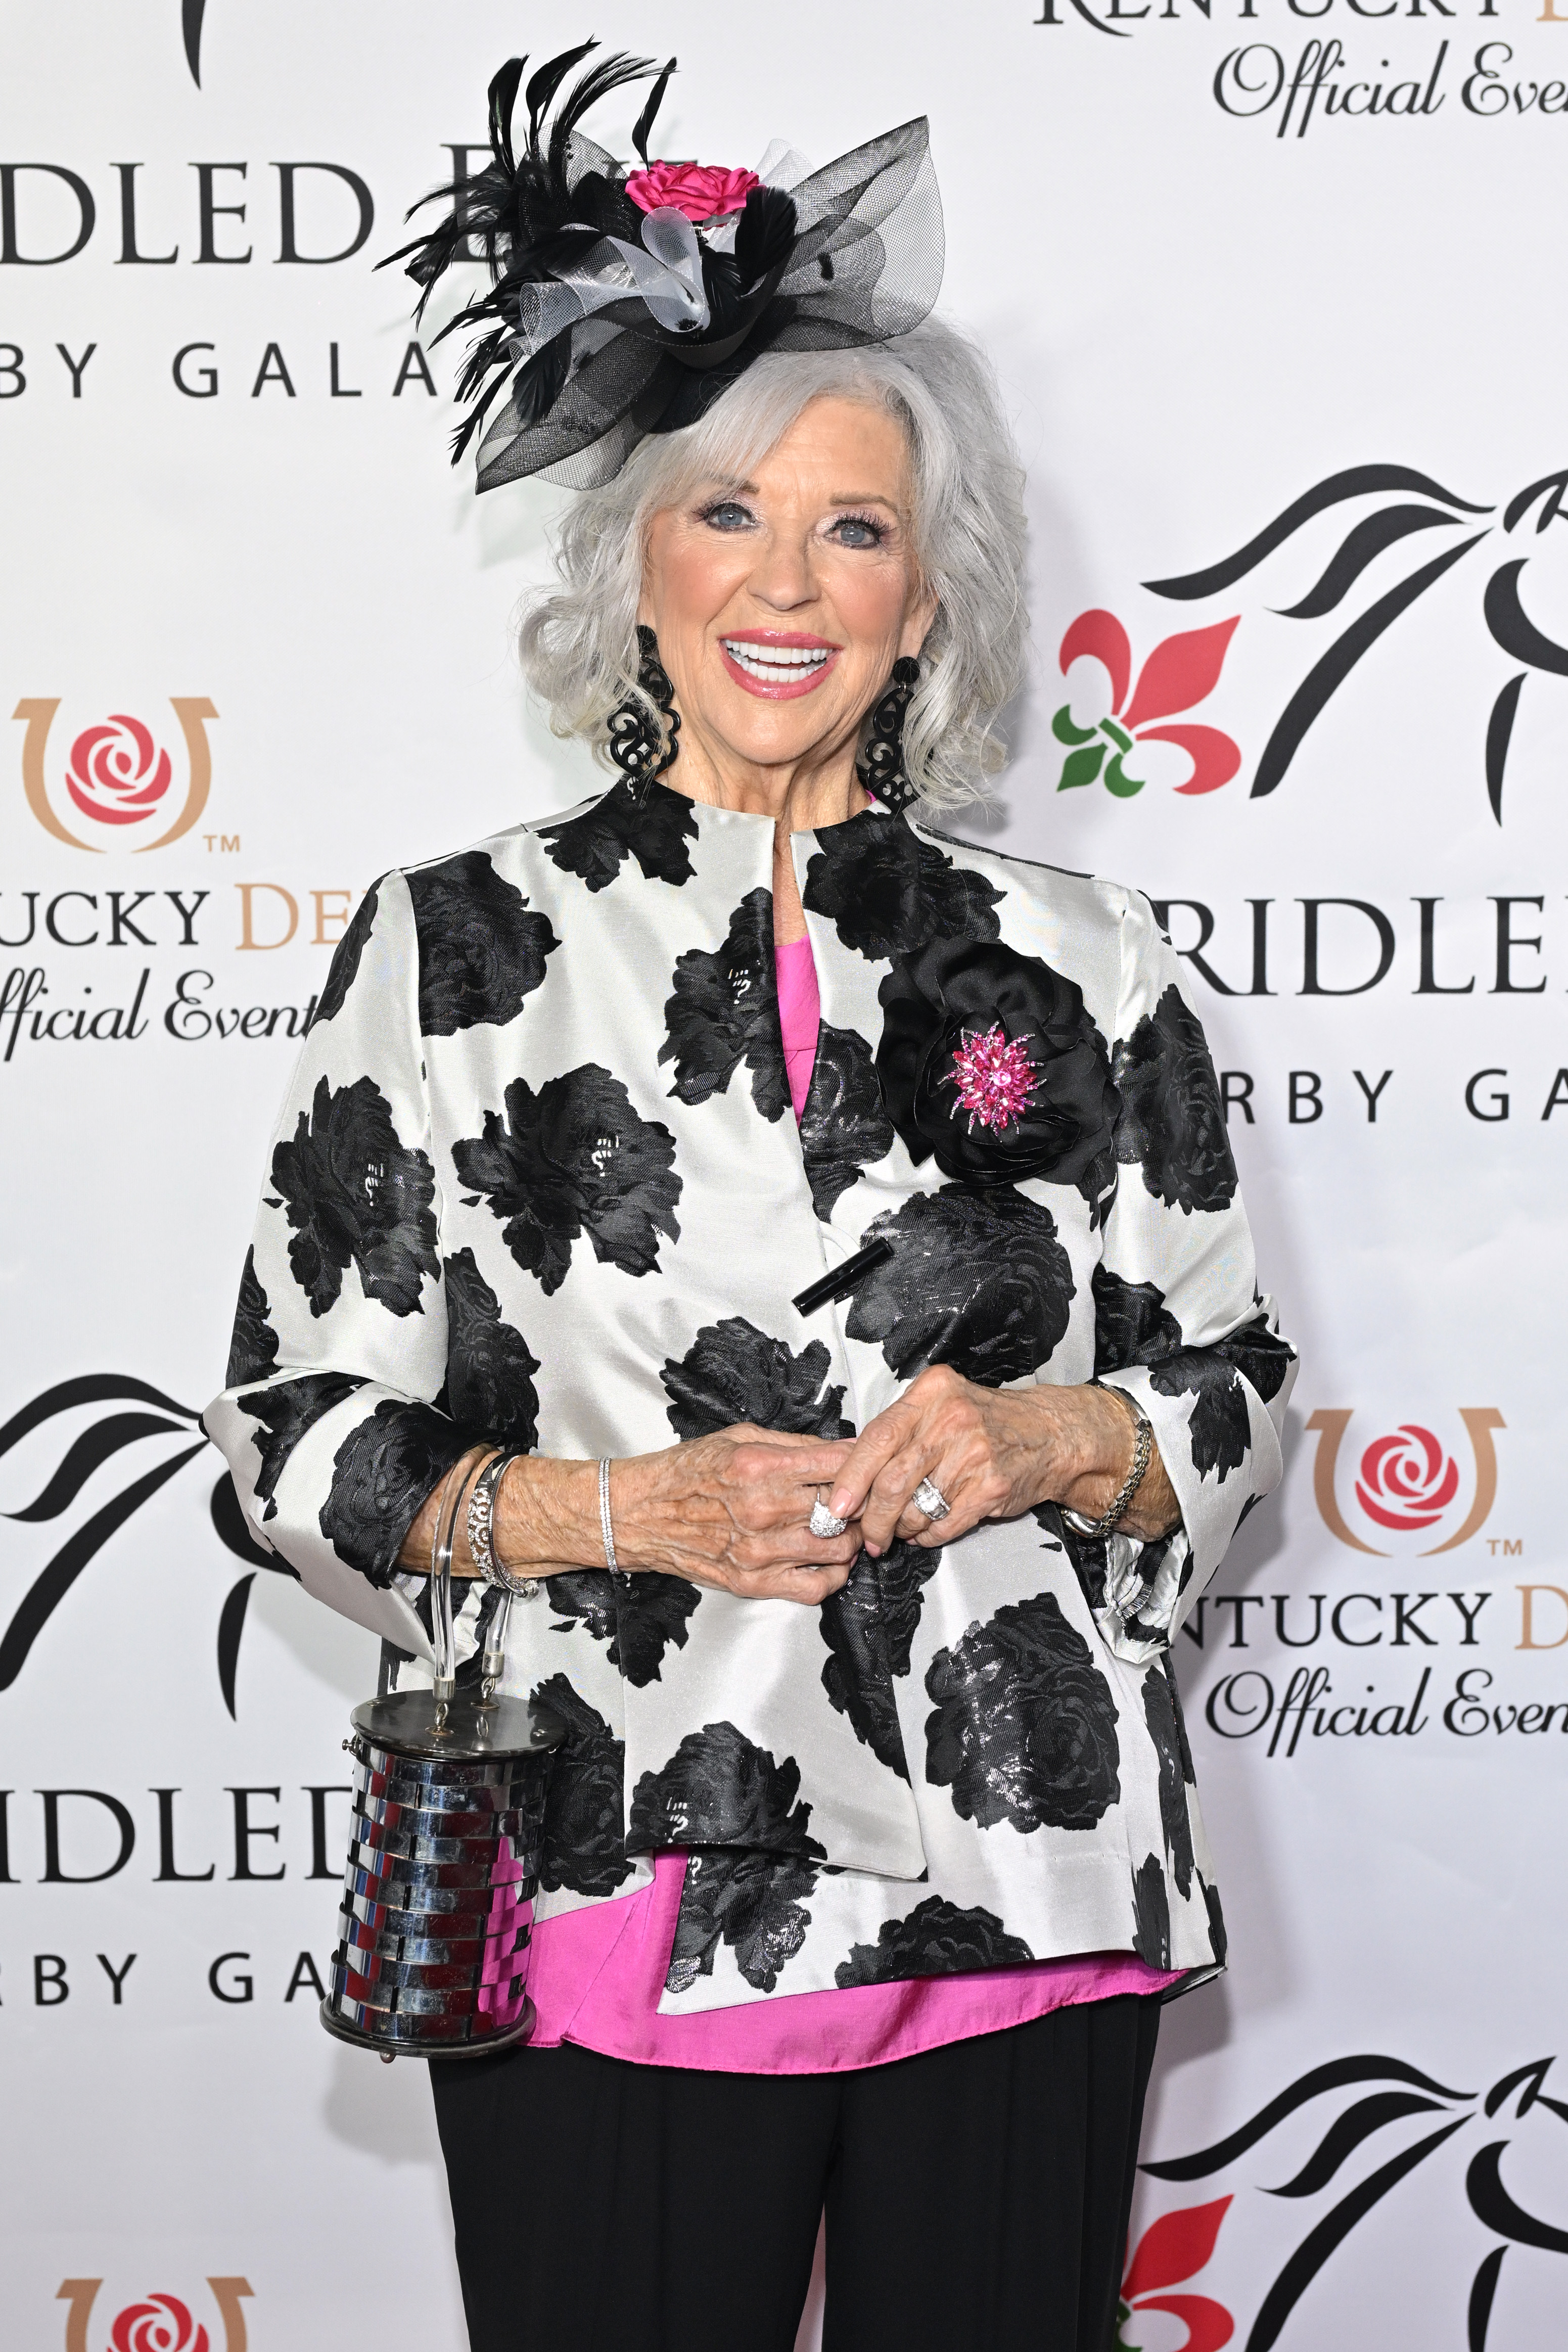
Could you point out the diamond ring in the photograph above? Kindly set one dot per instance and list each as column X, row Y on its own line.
column 929, row 1497
column 821, row 1522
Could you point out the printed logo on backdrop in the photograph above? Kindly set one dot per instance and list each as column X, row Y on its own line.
column 165, row 1431
column 114, row 782
column 158, row 2322
column 1108, row 721
column 1387, row 2119
column 1407, row 1481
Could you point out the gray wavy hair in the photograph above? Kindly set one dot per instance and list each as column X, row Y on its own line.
column 578, row 642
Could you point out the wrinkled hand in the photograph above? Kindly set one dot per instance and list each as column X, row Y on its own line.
column 731, row 1511
column 992, row 1452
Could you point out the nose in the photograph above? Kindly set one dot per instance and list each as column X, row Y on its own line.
column 785, row 579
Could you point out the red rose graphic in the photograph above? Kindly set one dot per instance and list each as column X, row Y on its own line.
column 1172, row 2249
column 118, row 775
column 162, row 2325
column 1180, row 671
column 701, row 190
column 1407, row 1481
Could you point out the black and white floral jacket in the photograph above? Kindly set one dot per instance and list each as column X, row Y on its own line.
column 537, row 1179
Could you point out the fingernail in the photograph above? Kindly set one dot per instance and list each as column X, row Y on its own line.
column 842, row 1498
column 874, row 1551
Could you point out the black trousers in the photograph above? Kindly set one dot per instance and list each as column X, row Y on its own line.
column 976, row 2196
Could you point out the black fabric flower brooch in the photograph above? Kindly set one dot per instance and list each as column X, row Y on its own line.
column 990, row 1062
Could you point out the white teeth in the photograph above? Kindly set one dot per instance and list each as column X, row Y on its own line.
column 774, row 665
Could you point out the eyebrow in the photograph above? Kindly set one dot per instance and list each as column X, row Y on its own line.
column 839, row 498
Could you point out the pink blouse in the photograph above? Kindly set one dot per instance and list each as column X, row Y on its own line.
column 595, row 1975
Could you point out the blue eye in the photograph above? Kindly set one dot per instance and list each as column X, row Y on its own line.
column 859, row 530
column 728, row 514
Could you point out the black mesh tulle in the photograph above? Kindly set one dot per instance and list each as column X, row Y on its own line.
column 864, row 263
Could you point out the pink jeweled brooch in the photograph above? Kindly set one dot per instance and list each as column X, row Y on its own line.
column 994, row 1076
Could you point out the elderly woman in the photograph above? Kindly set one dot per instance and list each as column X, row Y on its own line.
column 823, row 1233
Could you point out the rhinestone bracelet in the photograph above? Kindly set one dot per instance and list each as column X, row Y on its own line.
column 482, row 1528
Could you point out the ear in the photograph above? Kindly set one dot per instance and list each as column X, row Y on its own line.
column 918, row 618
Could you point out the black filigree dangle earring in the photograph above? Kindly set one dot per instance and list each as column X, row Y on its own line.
column 880, row 766
column 639, row 748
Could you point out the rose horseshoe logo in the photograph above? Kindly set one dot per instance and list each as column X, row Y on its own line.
column 119, row 775
column 1407, row 1481
column 1413, row 503
column 158, row 2323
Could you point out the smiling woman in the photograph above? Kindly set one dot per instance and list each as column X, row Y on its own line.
column 872, row 1843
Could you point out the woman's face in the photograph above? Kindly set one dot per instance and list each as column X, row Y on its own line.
column 781, row 603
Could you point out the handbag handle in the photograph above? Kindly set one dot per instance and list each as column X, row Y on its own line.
column 454, row 1500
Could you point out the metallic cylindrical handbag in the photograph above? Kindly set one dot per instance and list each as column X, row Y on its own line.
column 449, row 1813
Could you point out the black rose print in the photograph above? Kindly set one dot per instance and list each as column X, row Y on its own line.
column 253, row 1350
column 353, row 1195
column 346, row 955
column 481, row 948
column 719, row 1789
column 1260, row 1355
column 1173, row 1121
column 869, row 1625
column 655, row 831
column 936, row 1939
column 750, row 1902
column 977, row 1280
column 843, row 1128
column 1151, row 1913
column 286, row 1412
column 1024, row 1727
column 989, row 1061
column 571, row 1158
column 382, row 1473
column 583, row 1847
column 734, row 1373
column 489, row 1371
column 1220, row 1429
column 1219, row 1942
column 1132, row 1324
column 725, row 1010
column 888, row 892
column 1160, row 1715
column 639, row 1620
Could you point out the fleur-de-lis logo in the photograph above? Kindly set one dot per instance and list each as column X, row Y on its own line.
column 1182, row 671
column 1173, row 2250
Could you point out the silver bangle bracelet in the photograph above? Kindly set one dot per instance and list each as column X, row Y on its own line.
column 1142, row 1453
column 605, row 1529
column 481, row 1528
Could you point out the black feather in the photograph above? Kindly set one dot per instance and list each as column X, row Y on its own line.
column 644, row 121
column 503, row 97
column 547, row 81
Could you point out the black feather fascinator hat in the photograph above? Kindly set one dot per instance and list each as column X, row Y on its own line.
column 623, row 299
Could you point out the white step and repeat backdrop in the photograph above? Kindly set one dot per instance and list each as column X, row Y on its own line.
column 1273, row 291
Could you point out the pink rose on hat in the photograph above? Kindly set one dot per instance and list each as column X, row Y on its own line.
column 701, row 190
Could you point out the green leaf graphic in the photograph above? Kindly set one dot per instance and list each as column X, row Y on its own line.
column 1081, row 767
column 1123, row 786
column 1065, row 732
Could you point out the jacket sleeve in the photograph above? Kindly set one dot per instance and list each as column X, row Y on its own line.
column 330, row 1421
column 1179, row 1321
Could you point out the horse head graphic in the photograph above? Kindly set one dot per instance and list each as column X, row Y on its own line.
column 1394, row 2094
column 1415, row 503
